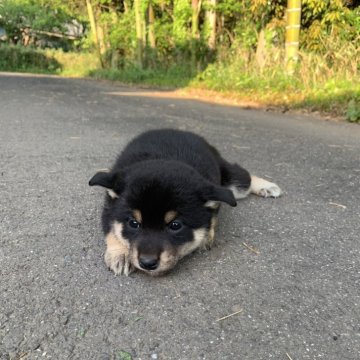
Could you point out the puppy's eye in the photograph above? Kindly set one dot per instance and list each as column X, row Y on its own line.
column 134, row 224
column 175, row 225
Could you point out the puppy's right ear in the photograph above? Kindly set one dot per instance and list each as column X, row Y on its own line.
column 109, row 180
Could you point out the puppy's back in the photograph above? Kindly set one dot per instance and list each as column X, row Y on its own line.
column 169, row 144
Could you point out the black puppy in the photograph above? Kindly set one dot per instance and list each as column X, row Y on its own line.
column 164, row 192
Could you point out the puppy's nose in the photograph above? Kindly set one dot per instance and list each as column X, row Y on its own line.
column 148, row 262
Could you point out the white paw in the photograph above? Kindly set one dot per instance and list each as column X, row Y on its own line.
column 264, row 188
column 117, row 254
column 119, row 263
column 273, row 191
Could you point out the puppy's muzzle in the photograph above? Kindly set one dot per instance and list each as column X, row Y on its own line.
column 148, row 262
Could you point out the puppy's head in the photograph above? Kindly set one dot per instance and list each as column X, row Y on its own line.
column 163, row 210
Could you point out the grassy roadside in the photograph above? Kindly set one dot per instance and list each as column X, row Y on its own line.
column 333, row 91
column 58, row 62
column 335, row 98
column 328, row 84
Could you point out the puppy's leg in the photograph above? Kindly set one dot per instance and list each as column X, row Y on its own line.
column 264, row 188
column 117, row 254
column 241, row 183
column 235, row 178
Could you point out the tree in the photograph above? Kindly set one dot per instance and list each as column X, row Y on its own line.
column 27, row 20
column 151, row 26
column 195, row 11
column 293, row 17
column 181, row 14
column 211, row 22
column 139, row 24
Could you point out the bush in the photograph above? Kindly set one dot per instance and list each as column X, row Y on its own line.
column 18, row 58
column 74, row 64
column 353, row 111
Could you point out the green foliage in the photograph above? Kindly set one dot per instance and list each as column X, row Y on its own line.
column 18, row 15
column 122, row 36
column 353, row 110
column 74, row 64
column 241, row 74
column 18, row 58
column 181, row 22
column 29, row 22
column 326, row 21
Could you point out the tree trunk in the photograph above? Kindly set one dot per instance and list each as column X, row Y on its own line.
column 93, row 27
column 151, row 30
column 139, row 33
column 101, row 38
column 127, row 6
column 211, row 20
column 261, row 50
column 91, row 16
column 293, row 20
column 195, row 11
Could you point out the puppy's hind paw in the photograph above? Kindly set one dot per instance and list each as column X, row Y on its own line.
column 264, row 188
column 273, row 191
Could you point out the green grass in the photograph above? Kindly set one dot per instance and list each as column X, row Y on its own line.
column 173, row 77
column 18, row 58
column 340, row 98
column 74, row 64
column 315, row 86
column 27, row 59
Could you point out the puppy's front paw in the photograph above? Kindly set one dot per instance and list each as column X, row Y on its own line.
column 119, row 263
column 117, row 255
column 264, row 188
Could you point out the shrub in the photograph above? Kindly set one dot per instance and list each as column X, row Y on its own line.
column 18, row 58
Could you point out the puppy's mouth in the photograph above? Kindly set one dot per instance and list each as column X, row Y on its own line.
column 156, row 273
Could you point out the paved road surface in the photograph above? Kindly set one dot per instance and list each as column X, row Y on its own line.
column 300, row 295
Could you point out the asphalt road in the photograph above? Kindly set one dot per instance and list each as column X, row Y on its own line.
column 299, row 295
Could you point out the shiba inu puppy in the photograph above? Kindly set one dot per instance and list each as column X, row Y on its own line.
column 163, row 196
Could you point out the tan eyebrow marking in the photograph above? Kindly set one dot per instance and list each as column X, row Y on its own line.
column 170, row 216
column 137, row 216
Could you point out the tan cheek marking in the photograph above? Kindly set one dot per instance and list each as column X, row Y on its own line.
column 200, row 238
column 167, row 260
column 137, row 215
column 170, row 216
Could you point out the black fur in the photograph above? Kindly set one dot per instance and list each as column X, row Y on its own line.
column 161, row 171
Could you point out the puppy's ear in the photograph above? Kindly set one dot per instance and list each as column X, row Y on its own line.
column 219, row 193
column 111, row 181
column 104, row 179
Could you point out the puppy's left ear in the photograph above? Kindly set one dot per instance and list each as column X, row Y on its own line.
column 219, row 193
